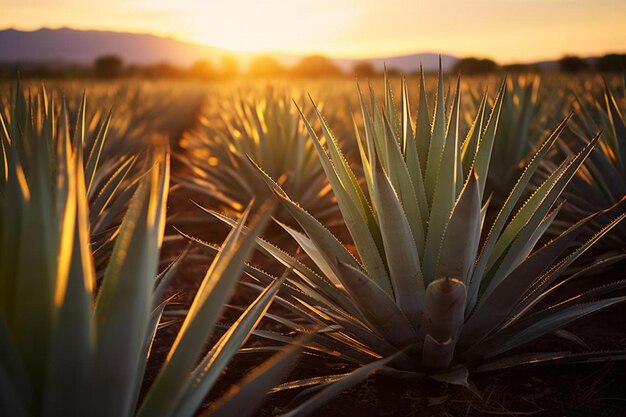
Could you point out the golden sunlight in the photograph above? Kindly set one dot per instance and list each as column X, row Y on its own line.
column 271, row 25
column 504, row 30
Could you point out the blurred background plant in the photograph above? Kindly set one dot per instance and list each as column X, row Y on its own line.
column 267, row 132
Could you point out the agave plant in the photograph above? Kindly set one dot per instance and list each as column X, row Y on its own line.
column 433, row 284
column 601, row 182
column 271, row 133
column 517, row 134
column 110, row 151
column 67, row 348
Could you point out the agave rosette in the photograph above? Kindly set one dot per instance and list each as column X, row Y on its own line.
column 270, row 132
column 433, row 284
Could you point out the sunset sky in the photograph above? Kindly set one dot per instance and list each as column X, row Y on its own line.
column 505, row 30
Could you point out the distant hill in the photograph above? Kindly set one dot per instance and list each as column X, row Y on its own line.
column 82, row 47
column 404, row 63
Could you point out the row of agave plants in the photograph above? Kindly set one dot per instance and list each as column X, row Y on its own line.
column 453, row 263
column 82, row 297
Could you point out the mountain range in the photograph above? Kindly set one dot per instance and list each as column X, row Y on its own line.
column 81, row 47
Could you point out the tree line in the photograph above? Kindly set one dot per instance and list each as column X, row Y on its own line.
column 112, row 66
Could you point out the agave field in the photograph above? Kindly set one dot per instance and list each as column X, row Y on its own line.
column 429, row 245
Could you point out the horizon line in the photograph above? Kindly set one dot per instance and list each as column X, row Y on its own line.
column 399, row 54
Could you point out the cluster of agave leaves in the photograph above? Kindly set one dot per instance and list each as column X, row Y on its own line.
column 517, row 134
column 268, row 130
column 75, row 339
column 601, row 182
column 142, row 114
column 436, row 290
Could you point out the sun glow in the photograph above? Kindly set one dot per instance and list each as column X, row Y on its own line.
column 271, row 25
column 352, row 28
